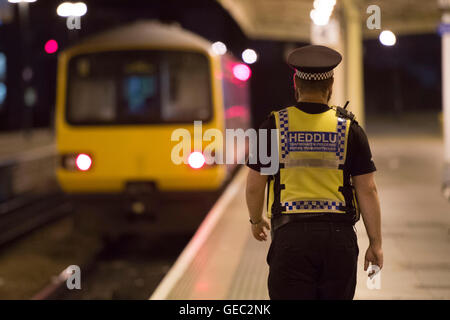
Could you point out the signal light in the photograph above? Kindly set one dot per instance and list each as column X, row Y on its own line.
column 51, row 46
column 196, row 160
column 242, row 72
column 83, row 162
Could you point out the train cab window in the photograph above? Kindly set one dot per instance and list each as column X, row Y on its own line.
column 95, row 101
column 132, row 87
column 186, row 78
column 140, row 97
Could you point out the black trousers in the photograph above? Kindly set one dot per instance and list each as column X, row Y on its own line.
column 313, row 260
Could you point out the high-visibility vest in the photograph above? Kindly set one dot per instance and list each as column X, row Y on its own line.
column 312, row 149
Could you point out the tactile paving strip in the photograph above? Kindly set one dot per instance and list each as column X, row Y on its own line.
column 230, row 263
column 250, row 278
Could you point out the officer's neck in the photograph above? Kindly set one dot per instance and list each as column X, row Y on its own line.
column 314, row 99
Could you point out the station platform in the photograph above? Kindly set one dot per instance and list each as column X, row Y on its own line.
column 223, row 261
column 20, row 146
column 27, row 162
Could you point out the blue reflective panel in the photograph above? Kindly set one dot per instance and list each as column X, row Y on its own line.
column 2, row 93
column 2, row 66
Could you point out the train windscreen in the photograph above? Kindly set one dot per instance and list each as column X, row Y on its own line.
column 132, row 87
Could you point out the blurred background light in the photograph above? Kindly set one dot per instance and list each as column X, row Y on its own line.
column 322, row 11
column 17, row 1
column 324, row 4
column 387, row 38
column 2, row 93
column 2, row 65
column 249, row 56
column 30, row 97
column 51, row 46
column 69, row 9
column 219, row 48
column 27, row 74
column 241, row 72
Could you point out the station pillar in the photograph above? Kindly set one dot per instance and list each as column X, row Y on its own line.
column 344, row 34
column 445, row 33
column 353, row 59
column 330, row 35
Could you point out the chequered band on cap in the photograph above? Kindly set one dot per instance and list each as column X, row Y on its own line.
column 314, row 76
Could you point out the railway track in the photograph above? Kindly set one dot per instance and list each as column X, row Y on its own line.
column 23, row 214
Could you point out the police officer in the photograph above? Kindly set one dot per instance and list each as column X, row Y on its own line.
column 325, row 178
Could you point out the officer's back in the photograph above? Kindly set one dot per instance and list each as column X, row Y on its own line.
column 325, row 167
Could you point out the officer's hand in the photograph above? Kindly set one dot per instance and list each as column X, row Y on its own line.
column 374, row 255
column 259, row 230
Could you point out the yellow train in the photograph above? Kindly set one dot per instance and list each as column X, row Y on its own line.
column 122, row 93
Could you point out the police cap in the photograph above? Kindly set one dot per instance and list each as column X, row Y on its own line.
column 314, row 62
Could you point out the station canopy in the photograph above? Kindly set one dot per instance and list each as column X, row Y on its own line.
column 289, row 20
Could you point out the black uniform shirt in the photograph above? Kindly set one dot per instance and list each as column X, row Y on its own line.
column 358, row 159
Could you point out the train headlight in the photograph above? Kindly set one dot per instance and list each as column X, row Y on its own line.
column 83, row 162
column 77, row 162
column 196, row 160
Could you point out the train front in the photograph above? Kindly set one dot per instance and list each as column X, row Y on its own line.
column 118, row 109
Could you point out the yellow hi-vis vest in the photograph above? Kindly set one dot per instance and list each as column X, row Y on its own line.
column 312, row 151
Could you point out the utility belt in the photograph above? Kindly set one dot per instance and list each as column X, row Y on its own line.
column 302, row 219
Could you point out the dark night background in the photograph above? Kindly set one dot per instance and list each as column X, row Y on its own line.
column 412, row 67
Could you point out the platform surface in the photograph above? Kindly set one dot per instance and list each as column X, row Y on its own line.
column 20, row 146
column 223, row 261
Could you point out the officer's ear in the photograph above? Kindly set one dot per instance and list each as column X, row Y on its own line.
column 331, row 83
column 330, row 89
column 296, row 93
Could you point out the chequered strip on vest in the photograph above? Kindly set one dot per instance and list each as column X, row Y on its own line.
column 284, row 126
column 312, row 205
column 341, row 128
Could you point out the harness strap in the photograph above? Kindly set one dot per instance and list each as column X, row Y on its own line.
column 277, row 208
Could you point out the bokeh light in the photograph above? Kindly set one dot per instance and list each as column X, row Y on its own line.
column 51, row 46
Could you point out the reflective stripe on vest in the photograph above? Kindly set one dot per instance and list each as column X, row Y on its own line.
column 312, row 152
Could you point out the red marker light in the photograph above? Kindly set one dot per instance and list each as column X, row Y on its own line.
column 242, row 72
column 83, row 162
column 236, row 112
column 51, row 46
column 196, row 160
